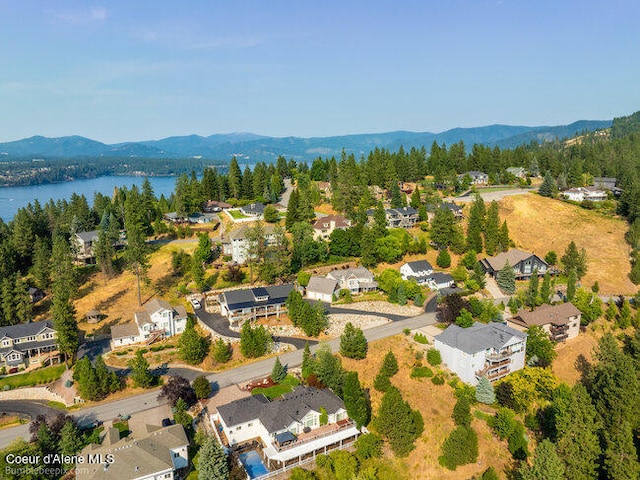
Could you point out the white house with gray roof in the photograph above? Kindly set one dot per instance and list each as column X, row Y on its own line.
column 159, row 319
column 156, row 454
column 420, row 270
column 288, row 427
column 236, row 243
column 356, row 280
column 27, row 344
column 322, row 288
column 483, row 350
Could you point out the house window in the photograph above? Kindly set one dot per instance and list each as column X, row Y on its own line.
column 250, row 425
column 176, row 454
column 238, row 428
column 6, row 343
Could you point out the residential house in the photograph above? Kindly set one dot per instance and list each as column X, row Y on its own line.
column 35, row 294
column 290, row 427
column 453, row 208
column 158, row 453
column 323, row 227
column 523, row 263
column 483, row 350
column 236, row 243
column 325, row 189
column 250, row 303
column 579, row 194
column 322, row 288
column 84, row 242
column 607, row 183
column 173, row 217
column 420, row 270
column 440, row 281
column 518, row 172
column 561, row 322
column 125, row 334
column 356, row 280
column 203, row 218
column 477, row 178
column 213, row 206
column 403, row 217
column 253, row 209
column 28, row 344
column 158, row 320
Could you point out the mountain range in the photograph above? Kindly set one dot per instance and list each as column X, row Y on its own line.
column 251, row 147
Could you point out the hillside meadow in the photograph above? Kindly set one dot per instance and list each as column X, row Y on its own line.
column 539, row 224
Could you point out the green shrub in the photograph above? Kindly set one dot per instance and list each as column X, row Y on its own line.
column 421, row 338
column 460, row 448
column 438, row 380
column 433, row 357
column 421, row 372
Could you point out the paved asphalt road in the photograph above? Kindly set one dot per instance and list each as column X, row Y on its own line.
column 244, row 373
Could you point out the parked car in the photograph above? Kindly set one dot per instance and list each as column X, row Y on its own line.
column 196, row 304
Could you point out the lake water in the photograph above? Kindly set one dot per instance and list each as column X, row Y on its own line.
column 13, row 198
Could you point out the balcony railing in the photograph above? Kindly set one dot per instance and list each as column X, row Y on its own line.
column 340, row 427
column 502, row 354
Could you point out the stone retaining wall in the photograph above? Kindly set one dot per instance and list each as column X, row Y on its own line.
column 32, row 393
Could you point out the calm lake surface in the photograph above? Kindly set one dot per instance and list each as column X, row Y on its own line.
column 13, row 198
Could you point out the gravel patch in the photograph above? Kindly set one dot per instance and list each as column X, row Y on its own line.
column 382, row 307
column 337, row 322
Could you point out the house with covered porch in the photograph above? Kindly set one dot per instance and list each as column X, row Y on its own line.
column 294, row 427
column 251, row 303
column 28, row 344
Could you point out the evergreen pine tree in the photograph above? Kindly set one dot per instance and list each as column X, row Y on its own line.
column 140, row 373
column 546, row 464
column 462, row 412
column 222, row 351
column 612, row 311
column 626, row 314
column 64, row 289
column 379, row 221
column 504, row 240
column 485, row 392
column 192, row 347
column 398, row 422
column 571, row 285
column 548, row 187
column 398, row 199
column 278, row 372
column 506, row 278
column 531, row 298
column 476, row 224
column 492, row 230
column 356, row 400
column 545, row 288
column 292, row 210
column 620, row 455
column 353, row 343
column 415, row 198
column 70, row 442
column 212, row 464
column 307, row 361
column 443, row 260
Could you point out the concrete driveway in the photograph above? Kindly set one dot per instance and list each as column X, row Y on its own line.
column 495, row 292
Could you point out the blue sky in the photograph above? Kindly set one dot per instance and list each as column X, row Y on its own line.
column 131, row 70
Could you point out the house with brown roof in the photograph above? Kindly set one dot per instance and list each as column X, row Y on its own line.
column 561, row 322
column 523, row 263
column 324, row 226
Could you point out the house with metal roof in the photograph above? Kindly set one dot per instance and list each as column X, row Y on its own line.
column 27, row 344
column 158, row 453
column 250, row 303
column 483, row 350
column 561, row 322
column 299, row 423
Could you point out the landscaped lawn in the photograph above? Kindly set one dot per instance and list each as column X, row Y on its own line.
column 237, row 214
column 283, row 387
column 36, row 377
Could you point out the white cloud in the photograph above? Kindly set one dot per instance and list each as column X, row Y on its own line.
column 94, row 14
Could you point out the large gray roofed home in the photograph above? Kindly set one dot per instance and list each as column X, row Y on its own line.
column 479, row 337
column 322, row 285
column 420, row 265
column 281, row 412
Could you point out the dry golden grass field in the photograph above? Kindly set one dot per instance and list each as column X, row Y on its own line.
column 117, row 297
column 540, row 224
column 435, row 402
